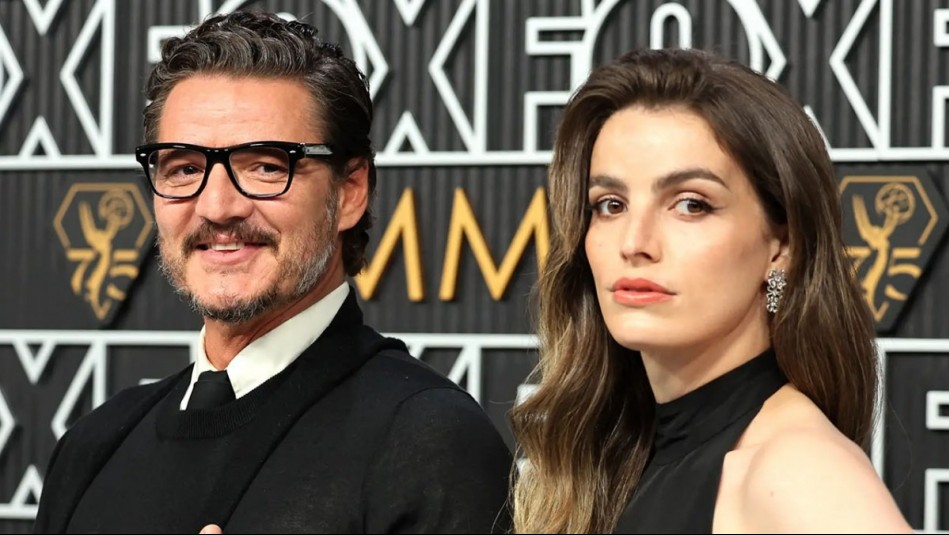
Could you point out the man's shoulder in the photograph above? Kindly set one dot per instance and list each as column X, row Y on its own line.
column 121, row 409
column 393, row 382
column 394, row 371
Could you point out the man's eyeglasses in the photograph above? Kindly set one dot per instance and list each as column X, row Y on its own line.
column 260, row 169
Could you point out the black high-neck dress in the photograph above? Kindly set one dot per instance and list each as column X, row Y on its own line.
column 679, row 487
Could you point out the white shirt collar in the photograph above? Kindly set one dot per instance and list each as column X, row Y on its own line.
column 273, row 352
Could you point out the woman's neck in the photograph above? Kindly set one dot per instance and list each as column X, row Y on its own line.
column 676, row 371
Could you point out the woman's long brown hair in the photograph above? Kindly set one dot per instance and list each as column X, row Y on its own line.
column 587, row 431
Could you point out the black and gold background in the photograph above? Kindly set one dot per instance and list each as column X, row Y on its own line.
column 468, row 93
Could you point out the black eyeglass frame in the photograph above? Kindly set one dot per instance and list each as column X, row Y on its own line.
column 222, row 155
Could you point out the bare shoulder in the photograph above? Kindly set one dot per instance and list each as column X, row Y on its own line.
column 798, row 473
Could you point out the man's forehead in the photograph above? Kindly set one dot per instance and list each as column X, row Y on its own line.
column 275, row 108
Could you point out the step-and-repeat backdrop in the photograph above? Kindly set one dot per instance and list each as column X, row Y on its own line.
column 468, row 93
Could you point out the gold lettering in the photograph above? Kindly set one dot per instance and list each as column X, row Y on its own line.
column 464, row 224
column 404, row 224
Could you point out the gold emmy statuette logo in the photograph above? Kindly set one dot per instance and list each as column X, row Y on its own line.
column 104, row 228
column 892, row 226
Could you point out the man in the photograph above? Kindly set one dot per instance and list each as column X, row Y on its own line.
column 262, row 169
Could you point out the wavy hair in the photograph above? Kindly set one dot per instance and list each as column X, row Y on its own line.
column 262, row 45
column 588, row 429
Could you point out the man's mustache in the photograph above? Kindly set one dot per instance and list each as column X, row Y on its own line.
column 241, row 231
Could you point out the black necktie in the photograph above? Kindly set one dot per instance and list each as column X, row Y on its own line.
column 212, row 389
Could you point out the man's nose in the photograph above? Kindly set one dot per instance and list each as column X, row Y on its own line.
column 220, row 201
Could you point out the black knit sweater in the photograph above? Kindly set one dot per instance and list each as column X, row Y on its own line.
column 388, row 446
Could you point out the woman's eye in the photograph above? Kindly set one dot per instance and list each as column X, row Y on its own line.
column 607, row 207
column 692, row 207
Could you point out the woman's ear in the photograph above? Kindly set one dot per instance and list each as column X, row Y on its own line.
column 780, row 249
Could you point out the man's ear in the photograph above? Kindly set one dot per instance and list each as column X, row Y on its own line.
column 353, row 194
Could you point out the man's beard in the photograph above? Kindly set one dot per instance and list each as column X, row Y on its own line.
column 306, row 269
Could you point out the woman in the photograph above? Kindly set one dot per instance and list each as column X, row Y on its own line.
column 707, row 359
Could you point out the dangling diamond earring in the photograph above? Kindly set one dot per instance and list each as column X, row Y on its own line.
column 776, row 285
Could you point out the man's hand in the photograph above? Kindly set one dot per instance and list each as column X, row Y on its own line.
column 211, row 528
